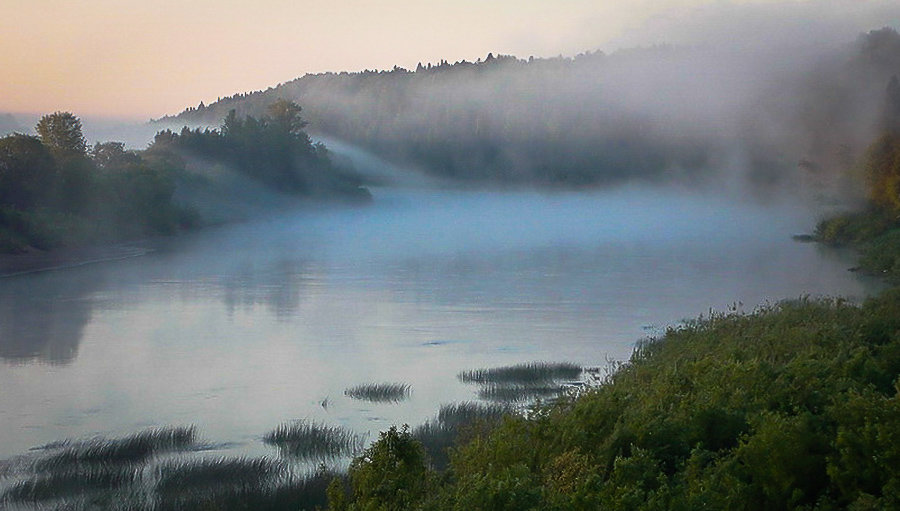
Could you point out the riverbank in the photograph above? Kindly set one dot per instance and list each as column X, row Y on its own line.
column 873, row 234
column 792, row 406
column 256, row 300
column 60, row 258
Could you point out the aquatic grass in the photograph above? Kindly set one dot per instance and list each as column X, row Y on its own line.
column 180, row 476
column 453, row 420
column 129, row 450
column 314, row 441
column 379, row 392
column 274, row 492
column 519, row 393
column 529, row 373
column 69, row 482
column 467, row 412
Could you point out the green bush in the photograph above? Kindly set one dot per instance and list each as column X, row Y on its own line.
column 794, row 406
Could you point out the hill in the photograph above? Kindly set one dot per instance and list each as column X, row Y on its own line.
column 652, row 113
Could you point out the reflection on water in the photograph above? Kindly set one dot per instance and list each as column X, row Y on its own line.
column 241, row 328
column 42, row 317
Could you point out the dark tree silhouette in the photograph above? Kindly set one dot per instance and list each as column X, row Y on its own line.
column 61, row 132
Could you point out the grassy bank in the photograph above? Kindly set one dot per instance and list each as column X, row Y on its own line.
column 873, row 233
column 792, row 407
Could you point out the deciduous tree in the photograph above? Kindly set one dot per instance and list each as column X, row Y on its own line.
column 61, row 133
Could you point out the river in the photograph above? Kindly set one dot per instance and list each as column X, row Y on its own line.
column 240, row 328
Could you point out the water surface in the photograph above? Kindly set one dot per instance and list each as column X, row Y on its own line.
column 237, row 329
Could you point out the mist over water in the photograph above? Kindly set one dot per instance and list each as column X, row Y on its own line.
column 239, row 328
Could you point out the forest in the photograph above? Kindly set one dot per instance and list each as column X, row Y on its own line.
column 793, row 405
column 57, row 191
column 663, row 113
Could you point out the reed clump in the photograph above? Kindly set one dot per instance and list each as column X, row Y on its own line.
column 264, row 488
column 214, row 473
column 529, row 373
column 314, row 441
column 380, row 392
column 519, row 393
column 453, row 420
column 69, row 482
column 130, row 450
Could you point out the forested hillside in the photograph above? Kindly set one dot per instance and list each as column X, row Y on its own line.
column 57, row 191
column 653, row 113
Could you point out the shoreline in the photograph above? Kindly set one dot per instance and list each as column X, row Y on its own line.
column 12, row 265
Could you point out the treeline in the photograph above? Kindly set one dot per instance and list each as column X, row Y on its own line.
column 274, row 149
column 875, row 229
column 795, row 406
column 499, row 119
column 55, row 190
column 653, row 113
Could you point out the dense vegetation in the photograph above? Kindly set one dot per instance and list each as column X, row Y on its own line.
column 792, row 407
column 875, row 231
column 273, row 149
column 54, row 190
column 653, row 113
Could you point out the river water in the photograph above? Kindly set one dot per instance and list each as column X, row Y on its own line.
column 239, row 328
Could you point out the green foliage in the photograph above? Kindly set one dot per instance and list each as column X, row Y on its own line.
column 26, row 167
column 391, row 474
column 112, row 155
column 882, row 255
column 792, row 407
column 874, row 235
column 52, row 192
column 852, row 228
column 273, row 149
column 881, row 165
column 61, row 133
column 875, row 232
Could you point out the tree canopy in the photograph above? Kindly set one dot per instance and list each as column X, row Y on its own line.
column 273, row 149
column 52, row 192
column 61, row 133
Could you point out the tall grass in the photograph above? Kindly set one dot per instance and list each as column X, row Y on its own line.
column 519, row 393
column 452, row 421
column 271, row 491
column 68, row 483
column 313, row 441
column 530, row 373
column 467, row 412
column 379, row 392
column 210, row 474
column 129, row 450
column 126, row 473
column 73, row 468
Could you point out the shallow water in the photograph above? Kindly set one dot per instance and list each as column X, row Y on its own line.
column 240, row 328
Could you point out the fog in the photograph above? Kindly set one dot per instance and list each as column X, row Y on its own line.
column 522, row 209
column 737, row 97
column 826, row 24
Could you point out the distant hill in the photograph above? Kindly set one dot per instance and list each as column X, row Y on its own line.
column 653, row 113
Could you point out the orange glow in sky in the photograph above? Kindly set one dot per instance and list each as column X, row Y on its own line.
column 141, row 59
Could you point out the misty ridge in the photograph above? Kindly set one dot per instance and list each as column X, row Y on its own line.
column 787, row 114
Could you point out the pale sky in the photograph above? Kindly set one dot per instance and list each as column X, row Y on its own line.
column 142, row 59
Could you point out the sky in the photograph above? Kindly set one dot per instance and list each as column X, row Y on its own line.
column 141, row 59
